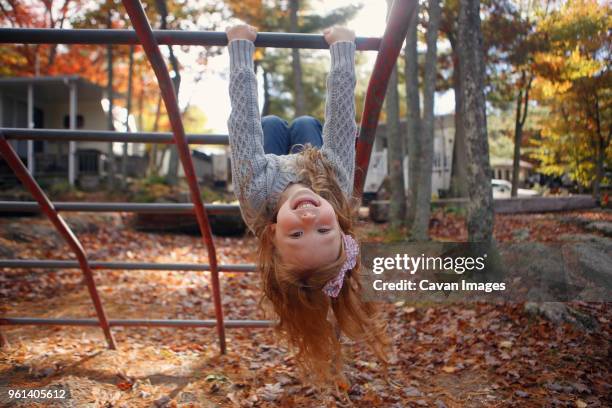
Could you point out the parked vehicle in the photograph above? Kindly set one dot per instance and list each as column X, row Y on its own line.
column 503, row 189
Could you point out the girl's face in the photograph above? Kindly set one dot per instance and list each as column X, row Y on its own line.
column 306, row 233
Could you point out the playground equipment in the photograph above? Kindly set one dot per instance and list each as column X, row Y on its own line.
column 388, row 48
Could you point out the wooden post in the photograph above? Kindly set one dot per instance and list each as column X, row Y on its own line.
column 73, row 125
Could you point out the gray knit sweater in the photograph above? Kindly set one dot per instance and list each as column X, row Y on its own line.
column 259, row 179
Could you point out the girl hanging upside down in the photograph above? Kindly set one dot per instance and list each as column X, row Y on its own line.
column 294, row 183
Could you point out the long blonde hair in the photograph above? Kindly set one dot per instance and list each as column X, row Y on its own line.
column 297, row 297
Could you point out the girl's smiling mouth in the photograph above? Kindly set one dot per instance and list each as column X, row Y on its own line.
column 305, row 200
column 305, row 203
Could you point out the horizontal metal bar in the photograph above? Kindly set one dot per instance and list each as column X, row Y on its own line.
column 166, row 208
column 68, row 264
column 6, row 321
column 40, row 79
column 168, row 37
column 65, row 135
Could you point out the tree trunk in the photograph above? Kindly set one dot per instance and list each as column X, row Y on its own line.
column 602, row 145
column 471, row 60
column 518, row 133
column 154, row 148
column 160, row 164
column 420, row 227
column 599, row 166
column 519, row 122
column 127, row 117
column 300, row 108
column 458, row 183
column 172, row 176
column 111, row 125
column 413, row 117
column 395, row 150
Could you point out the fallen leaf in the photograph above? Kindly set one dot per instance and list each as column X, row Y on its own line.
column 124, row 386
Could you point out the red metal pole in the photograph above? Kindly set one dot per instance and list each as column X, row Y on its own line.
column 390, row 46
column 147, row 39
column 24, row 176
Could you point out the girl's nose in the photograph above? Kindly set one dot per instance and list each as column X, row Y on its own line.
column 307, row 216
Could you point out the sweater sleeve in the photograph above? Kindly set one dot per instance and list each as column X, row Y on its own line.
column 248, row 161
column 340, row 130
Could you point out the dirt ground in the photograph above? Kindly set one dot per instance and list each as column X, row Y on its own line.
column 459, row 355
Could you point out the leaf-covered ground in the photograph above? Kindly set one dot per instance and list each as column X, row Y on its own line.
column 445, row 355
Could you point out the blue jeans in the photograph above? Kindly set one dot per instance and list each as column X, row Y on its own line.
column 280, row 138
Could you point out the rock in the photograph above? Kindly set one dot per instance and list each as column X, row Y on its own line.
column 599, row 241
column 521, row 394
column 82, row 224
column 590, row 257
column 595, row 262
column 21, row 232
column 540, row 264
column 558, row 312
column 577, row 220
column 605, row 227
column 440, row 404
column 580, row 268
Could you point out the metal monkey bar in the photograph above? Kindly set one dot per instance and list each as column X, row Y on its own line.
column 388, row 48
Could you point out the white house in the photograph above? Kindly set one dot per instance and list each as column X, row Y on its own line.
column 444, row 138
column 60, row 102
column 502, row 169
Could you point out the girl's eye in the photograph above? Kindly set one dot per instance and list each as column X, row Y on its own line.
column 296, row 234
column 324, row 230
